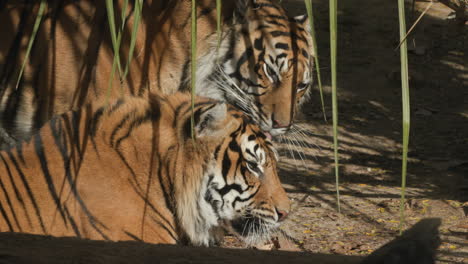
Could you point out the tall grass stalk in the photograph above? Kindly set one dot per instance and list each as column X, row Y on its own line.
column 115, row 40
column 111, row 78
column 123, row 15
column 333, row 49
column 136, row 23
column 415, row 23
column 405, row 105
column 308, row 4
column 40, row 13
column 193, row 62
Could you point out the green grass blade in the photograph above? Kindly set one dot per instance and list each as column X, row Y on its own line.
column 123, row 16
column 136, row 23
column 111, row 79
column 415, row 23
column 115, row 39
column 193, row 62
column 218, row 23
column 405, row 105
column 40, row 13
column 308, row 4
column 333, row 48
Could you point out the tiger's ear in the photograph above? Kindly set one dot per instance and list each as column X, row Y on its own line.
column 303, row 20
column 208, row 121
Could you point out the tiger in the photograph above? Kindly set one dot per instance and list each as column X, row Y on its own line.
column 133, row 170
column 263, row 64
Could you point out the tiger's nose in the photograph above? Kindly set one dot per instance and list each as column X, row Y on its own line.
column 281, row 214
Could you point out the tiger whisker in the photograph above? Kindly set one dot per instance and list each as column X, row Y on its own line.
column 300, row 131
column 289, row 148
column 295, row 148
column 303, row 144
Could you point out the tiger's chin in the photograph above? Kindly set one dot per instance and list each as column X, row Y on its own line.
column 274, row 132
column 254, row 230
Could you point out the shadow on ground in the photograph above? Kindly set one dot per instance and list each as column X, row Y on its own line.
column 370, row 133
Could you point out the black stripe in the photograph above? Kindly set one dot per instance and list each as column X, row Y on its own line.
column 72, row 222
column 283, row 46
column 226, row 165
column 256, row 148
column 228, row 187
column 7, row 220
column 196, row 105
column 250, row 153
column 216, row 152
column 28, row 190
column 120, row 125
column 94, row 222
column 278, row 33
column 93, row 125
column 149, row 116
column 115, row 106
column 39, row 148
column 184, row 87
column 234, row 146
column 262, row 27
column 277, row 17
column 19, row 151
column 132, row 236
column 98, row 114
column 176, row 113
column 238, row 199
column 8, row 200
column 281, row 56
column 258, row 43
column 292, row 35
column 244, row 57
column 276, row 23
column 60, row 142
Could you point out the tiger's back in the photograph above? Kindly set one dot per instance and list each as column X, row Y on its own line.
column 71, row 60
column 130, row 171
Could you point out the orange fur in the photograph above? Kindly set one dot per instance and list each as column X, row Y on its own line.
column 130, row 170
column 71, row 60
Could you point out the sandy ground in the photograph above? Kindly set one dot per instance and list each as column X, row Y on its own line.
column 370, row 134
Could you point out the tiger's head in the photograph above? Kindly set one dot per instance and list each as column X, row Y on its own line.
column 239, row 185
column 265, row 64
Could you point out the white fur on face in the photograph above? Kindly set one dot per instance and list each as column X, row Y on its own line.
column 228, row 198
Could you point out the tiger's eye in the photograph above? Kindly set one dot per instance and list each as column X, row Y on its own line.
column 302, row 86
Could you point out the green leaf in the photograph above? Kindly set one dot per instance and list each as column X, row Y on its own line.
column 193, row 61
column 309, row 8
column 115, row 39
column 333, row 49
column 136, row 23
column 405, row 105
column 37, row 23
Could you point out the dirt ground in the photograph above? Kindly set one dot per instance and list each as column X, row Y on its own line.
column 370, row 134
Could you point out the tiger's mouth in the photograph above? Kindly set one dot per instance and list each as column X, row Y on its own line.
column 253, row 229
column 278, row 131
